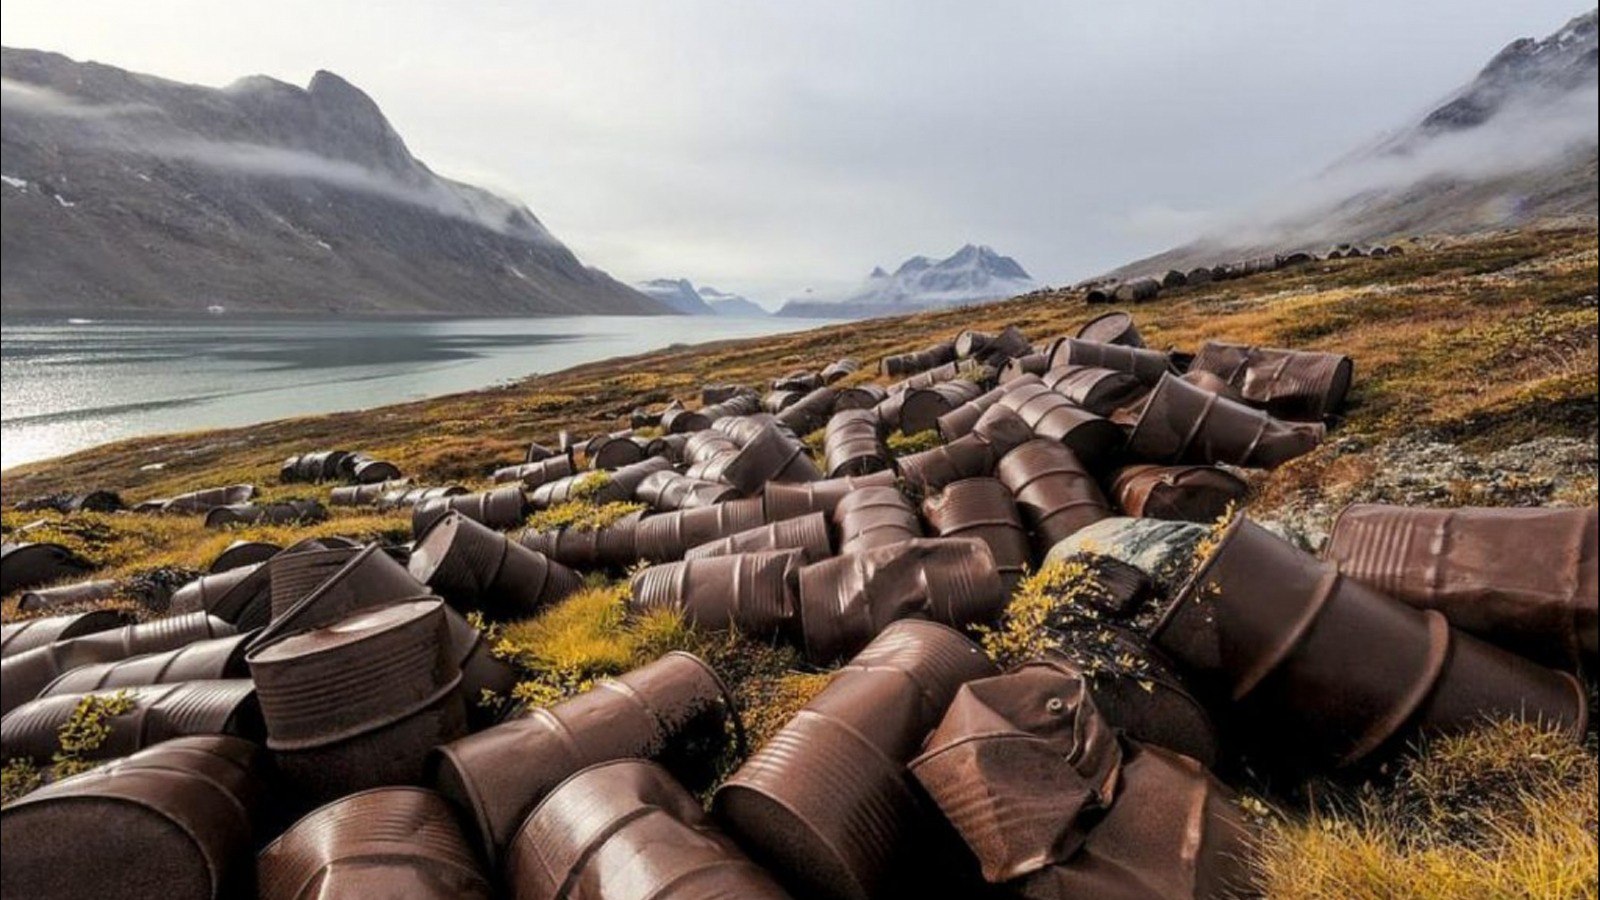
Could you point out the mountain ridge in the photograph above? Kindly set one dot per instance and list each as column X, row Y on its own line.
column 972, row 274
column 129, row 192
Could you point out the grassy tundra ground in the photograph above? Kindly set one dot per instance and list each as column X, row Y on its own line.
column 1475, row 383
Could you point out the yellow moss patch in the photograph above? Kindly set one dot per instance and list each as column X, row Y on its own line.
column 582, row 515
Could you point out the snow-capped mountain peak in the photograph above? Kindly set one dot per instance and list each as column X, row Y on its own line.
column 972, row 274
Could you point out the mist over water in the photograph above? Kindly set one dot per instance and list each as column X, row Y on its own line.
column 74, row 384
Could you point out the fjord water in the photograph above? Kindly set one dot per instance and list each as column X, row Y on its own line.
column 69, row 384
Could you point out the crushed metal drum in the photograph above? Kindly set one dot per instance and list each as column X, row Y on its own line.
column 789, row 501
column 1112, row 328
column 873, row 517
column 847, row 601
column 499, row 509
column 1146, row 365
column 1100, row 391
column 613, row 546
column 1319, row 667
column 158, row 712
column 30, row 565
column 205, row 500
column 798, row 380
column 66, row 595
column 286, row 512
column 1138, row 290
column 853, row 445
column 1183, row 423
column 667, row 490
column 842, row 368
column 807, row 534
column 1023, row 765
column 860, row 396
column 1021, row 366
column 294, row 575
column 675, row 711
column 1094, row 439
column 359, row 703
column 629, row 816
column 242, row 553
column 911, row 363
column 983, row 508
column 531, row 475
column 668, row 536
column 618, row 485
column 1297, row 385
column 411, row 497
column 923, row 406
column 1526, row 579
column 206, row 660
column 1142, row 695
column 476, row 568
column 242, row 596
column 826, row 805
column 1183, row 493
column 177, row 821
column 613, row 451
column 752, row 593
column 389, row 843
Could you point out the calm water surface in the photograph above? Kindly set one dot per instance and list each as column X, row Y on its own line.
column 67, row 385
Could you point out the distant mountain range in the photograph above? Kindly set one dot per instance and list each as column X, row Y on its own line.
column 682, row 296
column 970, row 275
column 1517, row 144
column 129, row 192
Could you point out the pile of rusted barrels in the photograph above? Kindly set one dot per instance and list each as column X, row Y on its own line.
column 323, row 720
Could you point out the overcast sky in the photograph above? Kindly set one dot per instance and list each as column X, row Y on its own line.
column 770, row 147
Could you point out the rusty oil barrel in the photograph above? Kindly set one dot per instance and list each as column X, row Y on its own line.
column 923, row 406
column 1328, row 669
column 1297, row 385
column 1139, row 290
column 983, row 508
column 1055, row 492
column 1526, row 579
column 1183, row 423
column 674, row 710
column 181, row 813
column 859, row 396
column 826, row 805
column 501, row 508
column 242, row 596
column 359, row 703
column 615, row 486
column 242, row 553
column 847, row 601
column 1023, row 366
column 613, row 451
column 284, row 512
column 208, row 498
column 839, row 369
column 629, row 815
column 1173, row 830
column 744, row 403
column 159, row 712
column 1182, row 493
column 411, row 497
column 681, row 420
column 1114, row 327
column 29, row 634
column 30, row 565
column 996, row 348
column 789, row 501
column 667, row 490
column 1094, row 439
column 707, row 445
column 389, row 842
column 1100, row 391
column 294, row 575
column 40, row 599
column 777, row 401
column 853, row 445
column 1022, row 765
column 613, row 546
column 666, row 537
column 874, row 516
column 770, row 456
column 963, row 420
column 475, row 568
column 1146, row 365
column 811, row 411
column 904, row 364
column 752, row 593
column 532, row 474
column 807, row 534
column 206, row 660
column 1143, row 697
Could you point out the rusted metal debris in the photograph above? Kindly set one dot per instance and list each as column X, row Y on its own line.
column 284, row 512
column 1100, row 391
column 388, row 842
column 159, row 712
column 674, row 710
column 1183, row 423
column 997, row 432
column 634, row 814
column 839, row 369
column 533, row 474
column 668, row 536
column 614, row 546
column 753, row 593
column 66, row 595
column 1112, row 328
column 474, row 567
column 1289, row 384
column 919, row 361
column 1316, row 667
column 1185, row 493
column 960, row 421
column 1526, row 579
column 667, row 490
column 174, row 820
column 502, row 507
column 983, row 508
column 241, row 596
column 807, row 534
column 242, row 553
column 1094, row 439
column 874, row 517
column 853, row 444
column 29, row 565
column 1146, row 365
column 826, row 804
column 201, row 501
column 789, row 501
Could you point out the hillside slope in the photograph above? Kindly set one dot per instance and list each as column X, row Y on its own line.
column 1516, row 144
column 129, row 192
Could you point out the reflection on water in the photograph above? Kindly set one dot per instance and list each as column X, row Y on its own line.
column 72, row 384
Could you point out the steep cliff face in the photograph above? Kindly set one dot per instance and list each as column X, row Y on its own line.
column 128, row 192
